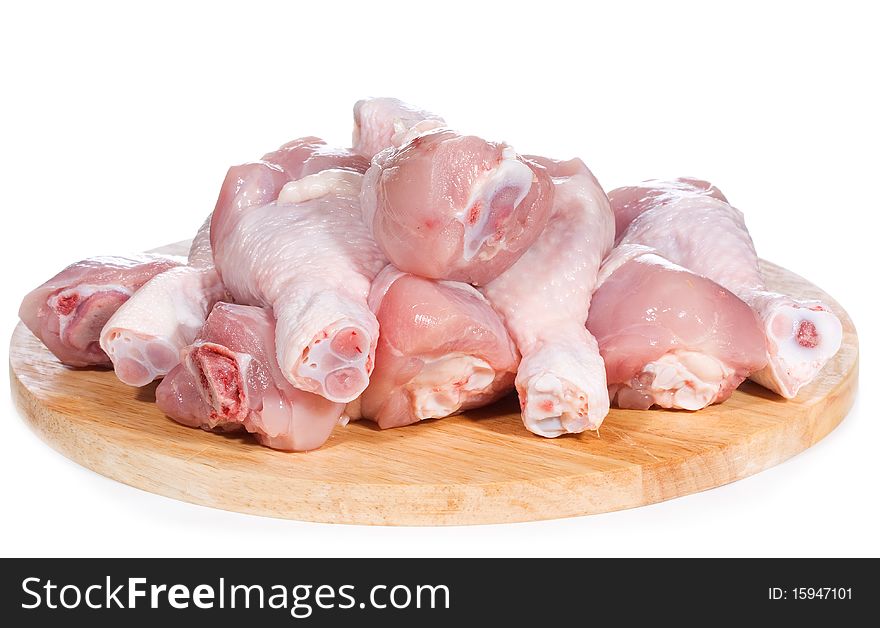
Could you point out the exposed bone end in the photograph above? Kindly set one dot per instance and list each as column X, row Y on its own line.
column 332, row 181
column 219, row 373
column 801, row 338
column 337, row 363
column 685, row 380
column 138, row 360
column 444, row 386
column 552, row 406
column 562, row 385
column 83, row 312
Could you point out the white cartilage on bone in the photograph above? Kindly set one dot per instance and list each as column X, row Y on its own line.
column 342, row 182
column 441, row 387
column 509, row 173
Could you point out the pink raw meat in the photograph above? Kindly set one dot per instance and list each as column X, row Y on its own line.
column 544, row 299
column 670, row 337
column 309, row 257
column 442, row 350
column 229, row 380
column 450, row 206
column 68, row 312
column 706, row 235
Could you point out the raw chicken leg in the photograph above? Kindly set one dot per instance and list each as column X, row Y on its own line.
column 381, row 123
column 706, row 235
column 443, row 349
column 229, row 379
column 670, row 337
column 449, row 206
column 68, row 311
column 144, row 337
column 544, row 299
column 310, row 257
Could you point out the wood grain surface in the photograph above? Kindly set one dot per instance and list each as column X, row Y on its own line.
column 481, row 467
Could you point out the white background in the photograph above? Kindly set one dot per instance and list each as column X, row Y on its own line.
column 118, row 125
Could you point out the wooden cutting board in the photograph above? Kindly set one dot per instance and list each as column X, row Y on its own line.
column 481, row 467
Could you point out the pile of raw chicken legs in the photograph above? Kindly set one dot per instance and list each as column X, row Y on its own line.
column 421, row 273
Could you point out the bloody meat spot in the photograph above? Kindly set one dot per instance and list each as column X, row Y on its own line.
column 807, row 335
column 67, row 304
column 220, row 378
column 474, row 213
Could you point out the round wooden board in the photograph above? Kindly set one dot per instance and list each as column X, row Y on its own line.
column 482, row 467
